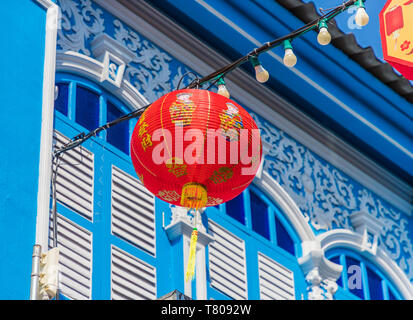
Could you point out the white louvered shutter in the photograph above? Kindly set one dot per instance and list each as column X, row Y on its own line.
column 276, row 281
column 133, row 214
column 75, row 259
column 131, row 278
column 74, row 183
column 227, row 263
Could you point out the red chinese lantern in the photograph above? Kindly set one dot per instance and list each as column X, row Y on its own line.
column 195, row 148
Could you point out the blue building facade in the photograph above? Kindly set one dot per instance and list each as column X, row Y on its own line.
column 328, row 216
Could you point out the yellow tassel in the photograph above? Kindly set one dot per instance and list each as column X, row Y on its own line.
column 190, row 270
column 194, row 195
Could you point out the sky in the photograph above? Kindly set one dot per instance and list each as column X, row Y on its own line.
column 367, row 36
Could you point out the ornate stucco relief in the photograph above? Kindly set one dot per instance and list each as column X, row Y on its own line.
column 327, row 197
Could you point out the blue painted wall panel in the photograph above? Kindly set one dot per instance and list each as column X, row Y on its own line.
column 21, row 83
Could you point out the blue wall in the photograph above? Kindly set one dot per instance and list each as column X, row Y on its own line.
column 21, row 83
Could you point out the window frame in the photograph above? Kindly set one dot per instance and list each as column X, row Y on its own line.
column 386, row 285
column 256, row 244
column 104, row 96
column 274, row 213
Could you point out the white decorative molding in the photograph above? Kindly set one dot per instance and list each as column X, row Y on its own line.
column 182, row 226
column 89, row 68
column 347, row 239
column 328, row 199
column 46, row 134
column 114, row 56
column 369, row 227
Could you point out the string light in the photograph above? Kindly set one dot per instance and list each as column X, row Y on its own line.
column 290, row 59
column 217, row 77
column 324, row 37
column 362, row 18
column 222, row 89
column 261, row 74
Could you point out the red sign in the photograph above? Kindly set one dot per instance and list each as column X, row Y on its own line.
column 396, row 29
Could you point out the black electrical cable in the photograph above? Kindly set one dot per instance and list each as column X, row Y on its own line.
column 55, row 166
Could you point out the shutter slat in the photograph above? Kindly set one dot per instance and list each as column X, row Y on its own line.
column 276, row 281
column 130, row 237
column 227, row 262
column 131, row 277
column 74, row 181
column 75, row 258
column 133, row 219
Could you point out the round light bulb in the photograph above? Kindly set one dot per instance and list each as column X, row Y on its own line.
column 289, row 58
column 362, row 18
column 261, row 74
column 324, row 37
column 222, row 90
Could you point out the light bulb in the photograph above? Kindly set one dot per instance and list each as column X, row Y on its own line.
column 362, row 18
column 261, row 74
column 289, row 58
column 324, row 37
column 222, row 90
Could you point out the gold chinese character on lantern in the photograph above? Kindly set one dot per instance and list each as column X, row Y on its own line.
column 182, row 109
column 176, row 166
column 231, row 122
column 221, row 175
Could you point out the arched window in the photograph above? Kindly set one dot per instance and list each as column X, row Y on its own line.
column 253, row 209
column 254, row 255
column 361, row 279
column 91, row 107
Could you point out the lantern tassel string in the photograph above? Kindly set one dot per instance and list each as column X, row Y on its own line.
column 190, row 270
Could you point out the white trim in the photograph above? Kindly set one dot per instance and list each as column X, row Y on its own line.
column 154, row 26
column 46, row 3
column 312, row 256
column 89, row 68
column 292, row 212
column 46, row 135
column 343, row 238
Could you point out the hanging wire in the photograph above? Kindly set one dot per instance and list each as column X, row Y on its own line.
column 55, row 165
column 183, row 76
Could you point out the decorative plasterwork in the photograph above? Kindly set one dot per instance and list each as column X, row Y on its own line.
column 92, row 69
column 151, row 70
column 80, row 23
column 328, row 198
column 114, row 56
